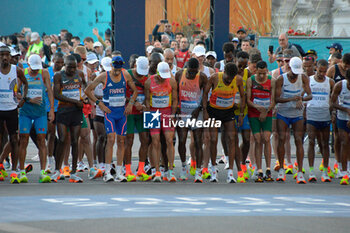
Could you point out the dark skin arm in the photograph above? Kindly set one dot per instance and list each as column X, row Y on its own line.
column 178, row 76
column 57, row 88
column 239, row 82
column 47, row 82
column 147, row 94
column 211, row 84
column 23, row 81
column 131, row 84
column 334, row 99
column 203, row 80
column 330, row 72
column 174, row 100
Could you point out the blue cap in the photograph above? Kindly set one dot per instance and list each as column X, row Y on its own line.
column 117, row 62
column 336, row 46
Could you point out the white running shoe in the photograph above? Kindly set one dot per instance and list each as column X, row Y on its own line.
column 300, row 178
column 80, row 167
column 213, row 178
column 281, row 175
column 230, row 178
column 56, row 176
column 108, row 177
column 183, row 173
column 92, row 173
column 198, row 177
column 120, row 179
column 312, row 177
column 227, row 166
column 189, row 161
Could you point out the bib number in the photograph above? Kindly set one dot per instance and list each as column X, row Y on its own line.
column 140, row 98
column 160, row 101
column 224, row 102
column 117, row 101
column 6, row 96
column 262, row 102
column 72, row 94
column 33, row 93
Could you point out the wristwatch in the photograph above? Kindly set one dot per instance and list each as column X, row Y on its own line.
column 97, row 102
column 26, row 99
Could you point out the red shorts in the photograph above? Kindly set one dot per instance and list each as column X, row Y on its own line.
column 165, row 124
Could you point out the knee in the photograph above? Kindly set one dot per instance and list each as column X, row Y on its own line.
column 257, row 139
column 120, row 141
column 298, row 140
column 231, row 138
column 312, row 142
column 110, row 139
column 213, row 140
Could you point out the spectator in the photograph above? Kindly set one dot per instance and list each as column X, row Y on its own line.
column 235, row 42
column 284, row 44
column 75, row 41
column 252, row 40
column 312, row 53
column 335, row 59
column 47, row 40
column 92, row 61
column 165, row 40
column 167, row 31
column 65, row 48
column 183, row 54
column 89, row 44
column 63, row 33
column 108, row 51
column 149, row 50
column 108, row 42
column 23, row 47
column 132, row 60
column 335, row 47
column 108, row 34
column 179, row 36
column 245, row 45
column 53, row 48
column 98, row 47
column 36, row 44
column 99, row 38
column 157, row 44
column 12, row 40
column 241, row 35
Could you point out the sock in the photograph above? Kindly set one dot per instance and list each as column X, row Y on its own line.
column 108, row 168
column 229, row 172
column 213, row 168
column 141, row 167
column 311, row 169
column 128, row 168
column 118, row 170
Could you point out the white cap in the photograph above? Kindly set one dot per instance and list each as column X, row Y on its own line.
column 91, row 58
column 14, row 52
column 211, row 53
column 296, row 64
column 97, row 44
column 34, row 62
column 34, row 36
column 106, row 63
column 53, row 45
column 142, row 65
column 149, row 49
column 199, row 50
column 163, row 70
column 235, row 39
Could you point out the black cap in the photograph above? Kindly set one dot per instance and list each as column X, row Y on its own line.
column 311, row 52
column 241, row 30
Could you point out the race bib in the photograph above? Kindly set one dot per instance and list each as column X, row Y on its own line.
column 117, row 101
column 33, row 93
column 265, row 102
column 6, row 96
column 140, row 98
column 160, row 101
column 224, row 102
column 72, row 94
column 188, row 105
column 237, row 98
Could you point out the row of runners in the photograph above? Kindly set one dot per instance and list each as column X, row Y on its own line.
column 241, row 95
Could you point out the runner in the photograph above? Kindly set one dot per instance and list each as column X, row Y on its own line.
column 289, row 87
column 224, row 87
column 135, row 120
column 34, row 110
column 319, row 118
column 8, row 108
column 191, row 83
column 116, row 111
column 169, row 57
column 341, row 102
column 228, row 49
column 261, row 101
column 161, row 96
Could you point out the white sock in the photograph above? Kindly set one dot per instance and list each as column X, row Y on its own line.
column 50, row 159
column 213, row 168
column 108, row 168
column 119, row 170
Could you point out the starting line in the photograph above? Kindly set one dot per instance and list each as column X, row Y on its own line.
column 43, row 208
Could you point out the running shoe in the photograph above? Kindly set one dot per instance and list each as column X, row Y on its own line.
column 80, row 167
column 230, row 179
column 44, row 178
column 336, row 168
column 183, row 173
column 75, row 179
column 56, row 176
column 171, row 176
column 222, row 160
column 213, row 178
column 325, row 177
column 240, row 178
column 48, row 168
column 340, row 174
column 3, row 170
column 330, row 173
column 260, row 178
column 189, row 161
column 130, row 177
column 205, row 173
column 227, row 166
column 345, row 180
column 7, row 165
column 268, row 176
column 165, row 176
column 312, row 177
column 277, row 166
column 281, row 177
column 29, row 168
column 296, row 167
column 61, row 177
column 255, row 174
column 2, row 177
column 113, row 170
column 300, row 178
column 66, row 172
column 147, row 168
column 93, row 173
column 193, row 168
column 23, row 177
column 120, row 178
column 198, row 178
column 321, row 166
column 252, row 170
column 289, row 170
column 108, row 177
column 245, row 171
column 14, row 179
column 85, row 166
column 142, row 176
column 157, row 177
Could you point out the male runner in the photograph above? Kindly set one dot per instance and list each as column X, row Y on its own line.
column 34, row 110
column 116, row 110
column 228, row 49
column 261, row 101
column 8, row 108
column 289, row 88
column 319, row 118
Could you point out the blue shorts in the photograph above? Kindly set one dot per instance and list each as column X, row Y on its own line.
column 25, row 124
column 245, row 125
column 341, row 124
column 289, row 121
column 319, row 124
column 115, row 122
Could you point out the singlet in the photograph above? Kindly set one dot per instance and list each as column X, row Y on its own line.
column 8, row 86
column 238, row 96
column 140, row 85
column 318, row 107
column 160, row 93
column 260, row 95
column 222, row 65
column 290, row 90
column 190, row 94
column 47, row 101
column 182, row 58
column 114, row 93
column 337, row 74
column 222, row 97
column 70, row 88
column 344, row 101
column 36, row 88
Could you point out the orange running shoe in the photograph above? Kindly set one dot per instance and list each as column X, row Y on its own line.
column 66, row 172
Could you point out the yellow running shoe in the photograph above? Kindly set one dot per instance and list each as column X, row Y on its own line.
column 321, row 166
column 130, row 177
column 345, row 180
column 240, row 178
column 193, row 168
column 205, row 173
column 330, row 173
column 14, row 179
column 23, row 177
column 289, row 170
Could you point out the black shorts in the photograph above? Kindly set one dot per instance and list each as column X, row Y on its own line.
column 99, row 119
column 11, row 120
column 54, row 121
column 91, row 122
column 73, row 118
column 223, row 115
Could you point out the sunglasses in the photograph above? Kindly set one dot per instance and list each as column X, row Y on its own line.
column 279, row 60
column 83, row 59
column 308, row 59
column 118, row 63
column 286, row 60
